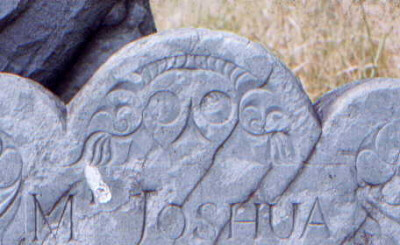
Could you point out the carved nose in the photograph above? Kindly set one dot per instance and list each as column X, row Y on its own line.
column 271, row 127
column 276, row 121
column 259, row 125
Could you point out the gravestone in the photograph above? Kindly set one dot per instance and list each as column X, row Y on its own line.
column 361, row 133
column 198, row 137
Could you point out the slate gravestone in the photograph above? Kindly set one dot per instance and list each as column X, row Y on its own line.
column 361, row 133
column 198, row 137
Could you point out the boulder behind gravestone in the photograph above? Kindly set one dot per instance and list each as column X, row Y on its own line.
column 62, row 43
column 127, row 21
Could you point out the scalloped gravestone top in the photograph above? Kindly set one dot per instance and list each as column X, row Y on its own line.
column 196, row 137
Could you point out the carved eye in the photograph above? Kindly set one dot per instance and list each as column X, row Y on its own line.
column 123, row 115
column 372, row 170
column 391, row 191
column 275, row 116
column 388, row 143
column 163, row 107
column 252, row 120
column 260, row 112
column 277, row 121
column 216, row 107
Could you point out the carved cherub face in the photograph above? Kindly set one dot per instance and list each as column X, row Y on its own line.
column 261, row 113
column 214, row 106
column 165, row 115
column 204, row 105
column 379, row 164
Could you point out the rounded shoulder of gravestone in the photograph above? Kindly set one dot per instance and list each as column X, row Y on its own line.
column 32, row 124
column 32, row 116
column 352, row 113
column 357, row 147
column 361, row 129
column 32, row 120
column 242, row 65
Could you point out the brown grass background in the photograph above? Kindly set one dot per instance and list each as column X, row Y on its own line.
column 326, row 43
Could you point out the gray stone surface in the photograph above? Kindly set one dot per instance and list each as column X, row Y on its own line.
column 170, row 130
column 64, row 41
column 199, row 137
column 347, row 192
column 360, row 132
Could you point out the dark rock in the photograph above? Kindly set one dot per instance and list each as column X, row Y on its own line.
column 126, row 22
column 43, row 39
column 10, row 9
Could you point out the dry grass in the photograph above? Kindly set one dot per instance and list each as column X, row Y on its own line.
column 326, row 43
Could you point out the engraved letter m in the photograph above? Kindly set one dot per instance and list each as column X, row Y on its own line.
column 51, row 217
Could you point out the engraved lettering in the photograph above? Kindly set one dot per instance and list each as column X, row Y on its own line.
column 47, row 217
column 206, row 230
column 316, row 222
column 145, row 195
column 240, row 215
column 171, row 222
column 282, row 228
